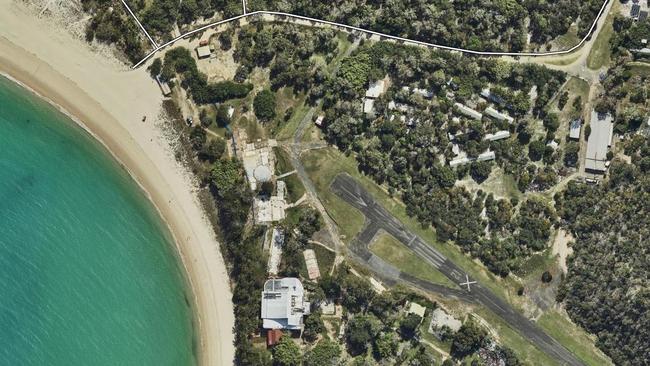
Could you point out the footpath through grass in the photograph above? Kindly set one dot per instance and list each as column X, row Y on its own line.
column 392, row 251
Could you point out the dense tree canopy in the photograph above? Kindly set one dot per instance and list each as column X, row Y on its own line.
column 607, row 287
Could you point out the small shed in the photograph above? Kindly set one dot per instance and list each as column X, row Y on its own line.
column 574, row 129
column 417, row 309
column 319, row 120
column 203, row 52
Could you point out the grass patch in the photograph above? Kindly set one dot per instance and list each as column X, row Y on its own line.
column 536, row 265
column 568, row 39
column 285, row 129
column 253, row 129
column 601, row 52
column 344, row 45
column 324, row 256
column 574, row 338
column 312, row 134
column 638, row 68
column 322, row 166
column 283, row 165
column 392, row 251
column 563, row 61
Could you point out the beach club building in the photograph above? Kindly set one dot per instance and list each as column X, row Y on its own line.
column 283, row 304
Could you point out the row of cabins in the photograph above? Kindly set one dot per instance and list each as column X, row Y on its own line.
column 474, row 114
column 486, row 156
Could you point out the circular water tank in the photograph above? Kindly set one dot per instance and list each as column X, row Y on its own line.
column 262, row 173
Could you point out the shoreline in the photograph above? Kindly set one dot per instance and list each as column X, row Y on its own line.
column 154, row 170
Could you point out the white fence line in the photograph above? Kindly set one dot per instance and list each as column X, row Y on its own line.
column 382, row 35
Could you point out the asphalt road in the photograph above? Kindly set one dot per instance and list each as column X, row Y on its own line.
column 378, row 218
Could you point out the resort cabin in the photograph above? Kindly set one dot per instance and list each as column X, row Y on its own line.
column 422, row 92
column 469, row 112
column 488, row 155
column 283, row 304
column 498, row 115
column 369, row 106
column 459, row 161
column 499, row 135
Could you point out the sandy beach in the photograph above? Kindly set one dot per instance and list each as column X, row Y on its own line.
column 109, row 100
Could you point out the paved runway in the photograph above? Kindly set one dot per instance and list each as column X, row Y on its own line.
column 378, row 218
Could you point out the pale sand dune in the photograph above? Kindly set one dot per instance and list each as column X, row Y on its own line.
column 109, row 100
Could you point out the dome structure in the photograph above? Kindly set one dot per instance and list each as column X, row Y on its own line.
column 262, row 173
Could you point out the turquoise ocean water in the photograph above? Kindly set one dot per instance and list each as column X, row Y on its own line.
column 88, row 274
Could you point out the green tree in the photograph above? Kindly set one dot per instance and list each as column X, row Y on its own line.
column 360, row 331
column 212, row 150
column 409, row 325
column 536, row 150
column 267, row 188
column 222, row 118
column 467, row 340
column 226, row 176
column 313, row 327
column 571, row 154
column 264, row 105
column 286, row 353
column 357, row 293
column 562, row 100
column 386, row 345
column 325, row 353
column 480, row 170
column 198, row 137
column 155, row 68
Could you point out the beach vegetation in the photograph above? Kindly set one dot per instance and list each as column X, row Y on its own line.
column 112, row 25
column 180, row 61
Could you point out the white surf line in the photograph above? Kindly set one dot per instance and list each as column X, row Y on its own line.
column 384, row 35
column 156, row 48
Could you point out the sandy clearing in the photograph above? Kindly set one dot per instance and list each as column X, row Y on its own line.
column 561, row 247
